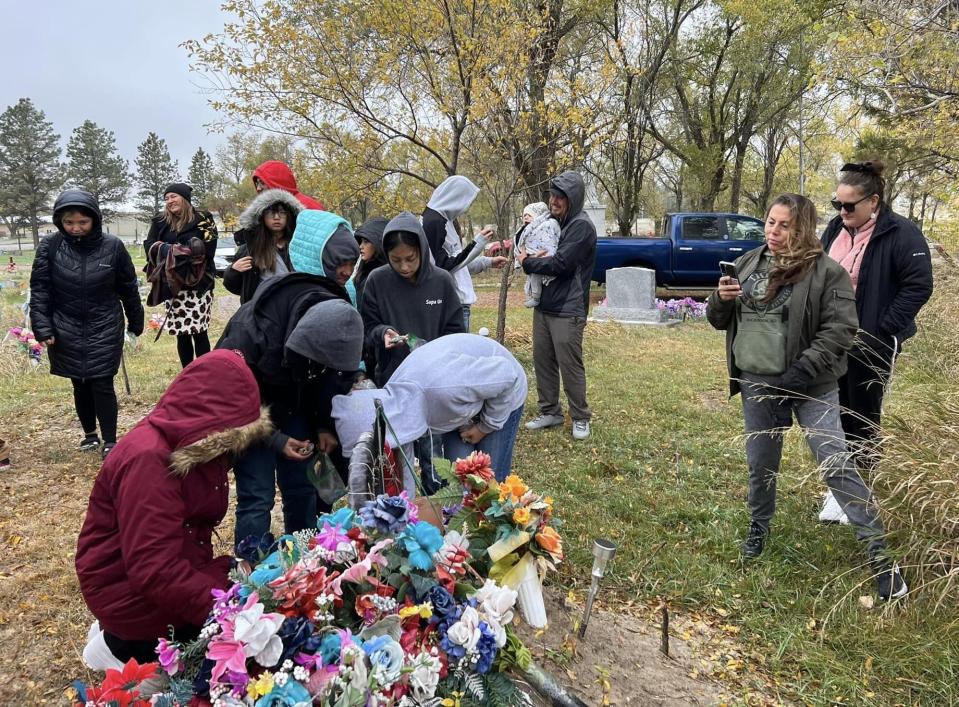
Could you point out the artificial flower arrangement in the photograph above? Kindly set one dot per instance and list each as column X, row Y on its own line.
column 27, row 342
column 376, row 607
column 155, row 322
column 682, row 308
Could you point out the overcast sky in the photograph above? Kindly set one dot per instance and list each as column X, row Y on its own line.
column 115, row 62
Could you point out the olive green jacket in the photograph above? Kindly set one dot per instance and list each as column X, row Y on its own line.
column 822, row 321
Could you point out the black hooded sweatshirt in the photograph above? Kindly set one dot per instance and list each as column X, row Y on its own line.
column 427, row 308
column 372, row 231
column 572, row 265
column 80, row 288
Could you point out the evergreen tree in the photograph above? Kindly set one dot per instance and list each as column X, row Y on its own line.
column 30, row 168
column 95, row 165
column 202, row 178
column 155, row 170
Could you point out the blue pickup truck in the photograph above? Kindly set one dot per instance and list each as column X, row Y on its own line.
column 689, row 253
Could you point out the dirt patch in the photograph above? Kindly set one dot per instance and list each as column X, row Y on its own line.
column 618, row 662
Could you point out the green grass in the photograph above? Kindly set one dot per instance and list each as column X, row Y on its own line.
column 664, row 477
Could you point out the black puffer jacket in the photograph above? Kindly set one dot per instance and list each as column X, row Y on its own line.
column 572, row 264
column 76, row 294
column 895, row 277
column 203, row 227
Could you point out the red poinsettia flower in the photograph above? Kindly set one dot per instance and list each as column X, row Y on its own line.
column 122, row 688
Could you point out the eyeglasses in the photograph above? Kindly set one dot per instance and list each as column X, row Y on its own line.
column 846, row 206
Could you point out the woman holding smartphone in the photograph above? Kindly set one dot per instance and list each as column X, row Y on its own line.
column 789, row 320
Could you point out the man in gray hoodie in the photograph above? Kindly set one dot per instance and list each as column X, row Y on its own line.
column 466, row 388
column 560, row 317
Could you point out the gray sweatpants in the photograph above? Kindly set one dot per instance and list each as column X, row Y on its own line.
column 558, row 349
column 766, row 420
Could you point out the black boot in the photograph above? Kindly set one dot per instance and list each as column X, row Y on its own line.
column 752, row 547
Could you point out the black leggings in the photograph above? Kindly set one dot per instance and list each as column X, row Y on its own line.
column 96, row 400
column 190, row 346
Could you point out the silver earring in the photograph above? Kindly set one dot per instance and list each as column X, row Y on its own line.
column 872, row 216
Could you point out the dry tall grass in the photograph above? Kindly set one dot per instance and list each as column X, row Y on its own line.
column 918, row 478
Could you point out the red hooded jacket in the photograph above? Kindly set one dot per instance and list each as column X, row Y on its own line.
column 145, row 555
column 278, row 175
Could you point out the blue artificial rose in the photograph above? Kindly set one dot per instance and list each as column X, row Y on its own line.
column 386, row 659
column 253, row 548
column 389, row 515
column 291, row 694
column 345, row 518
column 421, row 541
column 295, row 633
column 442, row 601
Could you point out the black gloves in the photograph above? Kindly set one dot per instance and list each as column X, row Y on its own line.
column 794, row 383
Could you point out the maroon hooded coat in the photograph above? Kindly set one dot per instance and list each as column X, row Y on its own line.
column 145, row 555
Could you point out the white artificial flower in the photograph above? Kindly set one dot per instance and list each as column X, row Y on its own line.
column 425, row 676
column 257, row 632
column 497, row 604
column 466, row 632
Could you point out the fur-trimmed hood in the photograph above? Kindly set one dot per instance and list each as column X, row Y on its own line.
column 211, row 408
column 233, row 440
column 252, row 214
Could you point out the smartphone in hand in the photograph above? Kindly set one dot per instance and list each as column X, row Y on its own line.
column 728, row 270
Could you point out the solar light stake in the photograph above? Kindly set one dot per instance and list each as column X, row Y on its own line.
column 603, row 552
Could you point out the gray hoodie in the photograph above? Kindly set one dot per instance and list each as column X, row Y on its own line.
column 440, row 387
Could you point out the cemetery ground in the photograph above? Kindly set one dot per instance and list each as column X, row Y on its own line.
column 663, row 476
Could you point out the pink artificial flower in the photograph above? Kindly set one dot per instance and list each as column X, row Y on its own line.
column 413, row 511
column 331, row 537
column 169, row 656
column 359, row 572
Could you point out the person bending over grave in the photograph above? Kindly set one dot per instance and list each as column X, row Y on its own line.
column 465, row 388
column 82, row 283
column 303, row 340
column 145, row 556
column 790, row 319
column 410, row 302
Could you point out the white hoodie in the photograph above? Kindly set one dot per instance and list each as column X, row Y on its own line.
column 451, row 199
column 440, row 387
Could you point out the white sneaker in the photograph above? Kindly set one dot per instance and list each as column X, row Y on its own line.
column 580, row 429
column 541, row 422
column 831, row 511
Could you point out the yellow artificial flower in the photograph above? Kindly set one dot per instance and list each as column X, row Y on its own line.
column 425, row 611
column 521, row 516
column 453, row 701
column 512, row 486
column 261, row 686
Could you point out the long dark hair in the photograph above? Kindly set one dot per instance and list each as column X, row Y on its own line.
column 263, row 244
column 804, row 245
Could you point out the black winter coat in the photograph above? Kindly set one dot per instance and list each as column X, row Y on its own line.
column 245, row 283
column 202, row 227
column 895, row 277
column 76, row 295
column 572, row 264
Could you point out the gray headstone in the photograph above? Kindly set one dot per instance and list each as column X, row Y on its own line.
column 631, row 298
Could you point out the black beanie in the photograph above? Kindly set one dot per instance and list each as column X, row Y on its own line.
column 184, row 190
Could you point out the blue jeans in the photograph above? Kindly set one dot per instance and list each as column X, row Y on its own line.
column 498, row 444
column 259, row 471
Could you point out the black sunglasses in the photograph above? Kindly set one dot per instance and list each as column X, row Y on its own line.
column 846, row 206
